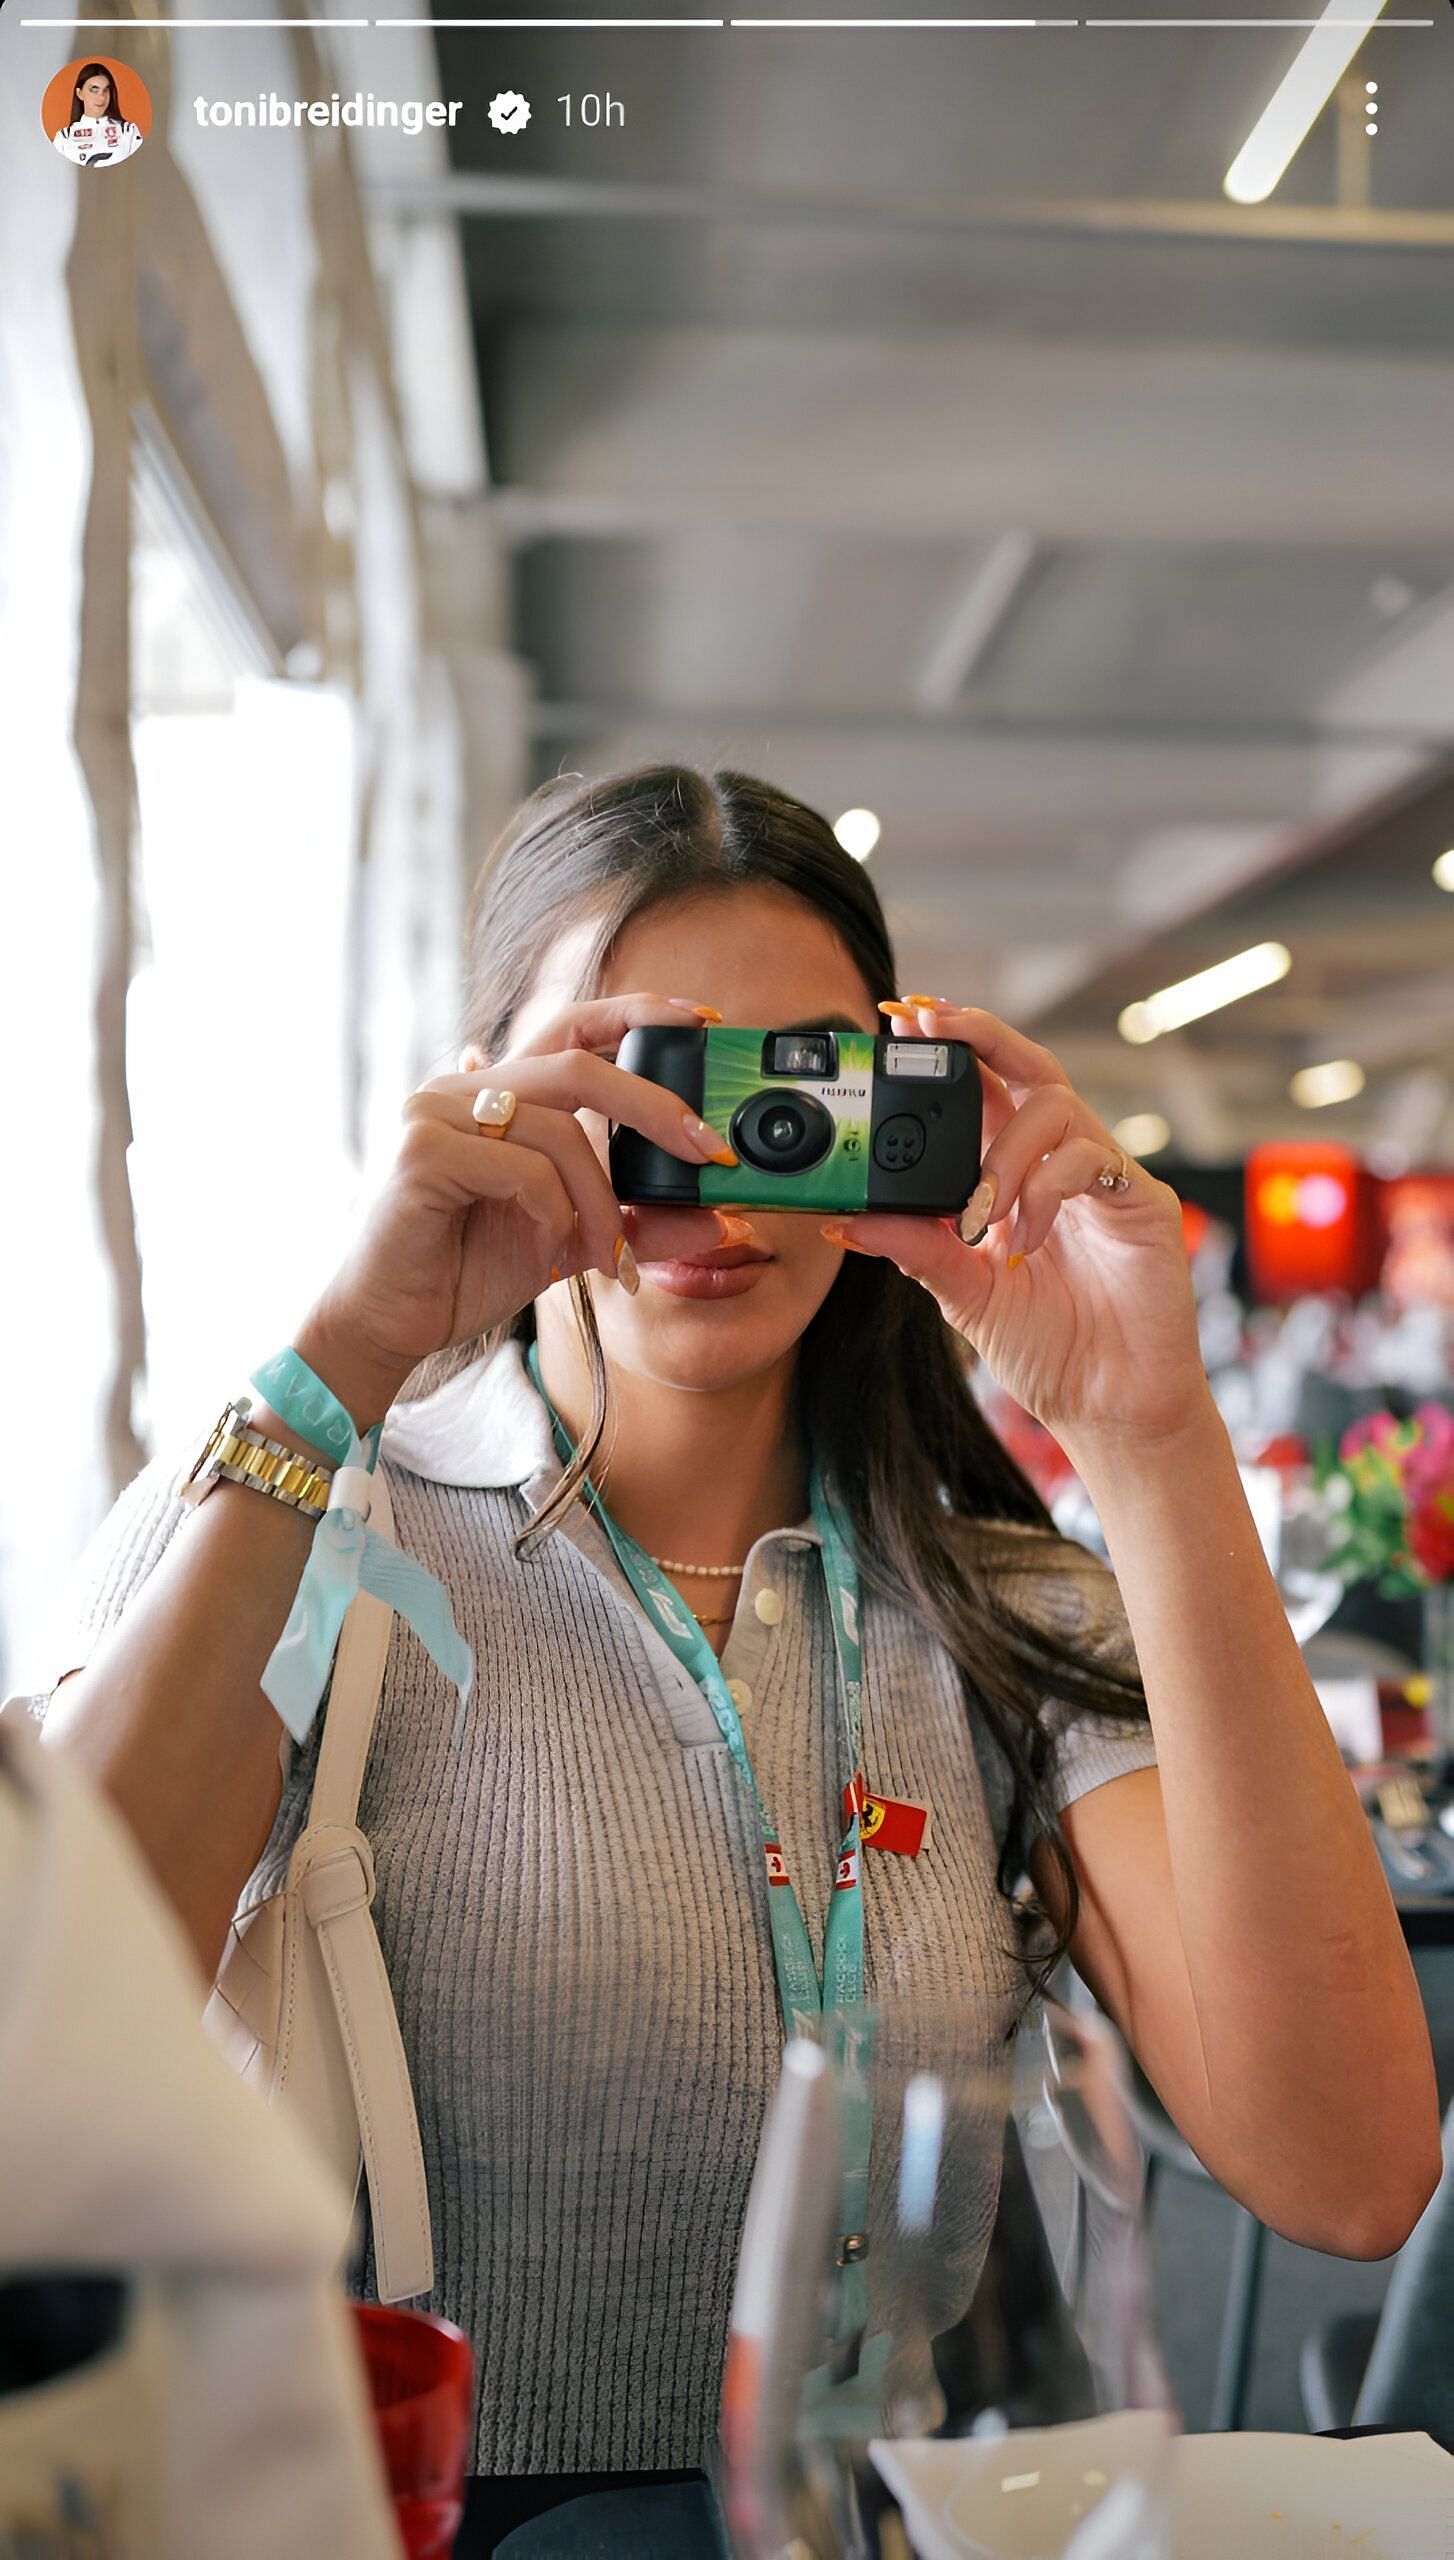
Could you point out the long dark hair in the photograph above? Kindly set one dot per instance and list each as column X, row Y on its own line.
column 939, row 1510
column 95, row 71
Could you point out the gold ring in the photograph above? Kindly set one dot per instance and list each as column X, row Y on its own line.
column 1114, row 1177
column 493, row 1108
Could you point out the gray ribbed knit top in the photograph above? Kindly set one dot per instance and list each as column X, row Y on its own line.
column 572, row 1907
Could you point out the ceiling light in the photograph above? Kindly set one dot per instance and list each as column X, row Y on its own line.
column 1299, row 99
column 858, row 831
column 1144, row 1134
column 1444, row 869
column 1337, row 1080
column 1190, row 998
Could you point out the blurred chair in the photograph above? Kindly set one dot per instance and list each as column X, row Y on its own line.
column 1166, row 2148
column 1324, row 1408
column 1393, row 1626
column 1395, row 2367
column 1342, row 1652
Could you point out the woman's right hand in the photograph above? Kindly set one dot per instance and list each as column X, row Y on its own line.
column 468, row 1227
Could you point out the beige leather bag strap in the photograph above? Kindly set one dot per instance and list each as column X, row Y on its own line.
column 358, row 1678
column 334, row 1871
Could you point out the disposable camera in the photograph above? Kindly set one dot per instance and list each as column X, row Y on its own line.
column 819, row 1120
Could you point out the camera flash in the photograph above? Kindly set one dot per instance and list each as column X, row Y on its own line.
column 916, row 1058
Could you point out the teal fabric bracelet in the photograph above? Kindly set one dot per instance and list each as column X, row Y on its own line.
column 345, row 1556
column 301, row 1400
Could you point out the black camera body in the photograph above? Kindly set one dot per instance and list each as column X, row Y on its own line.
column 823, row 1121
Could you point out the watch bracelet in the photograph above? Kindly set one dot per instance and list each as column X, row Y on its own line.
column 248, row 1457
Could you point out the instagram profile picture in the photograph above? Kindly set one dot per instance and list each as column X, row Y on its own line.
column 96, row 112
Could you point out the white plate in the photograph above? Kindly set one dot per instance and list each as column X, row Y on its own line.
column 1042, row 2495
column 1091, row 2491
column 1268, row 2497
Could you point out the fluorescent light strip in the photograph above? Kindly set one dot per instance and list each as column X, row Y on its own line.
column 896, row 24
column 1336, row 1080
column 1207, row 992
column 1296, row 103
column 1365, row 23
column 1255, row 21
column 503, row 24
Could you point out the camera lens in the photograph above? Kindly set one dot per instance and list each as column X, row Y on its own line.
column 783, row 1130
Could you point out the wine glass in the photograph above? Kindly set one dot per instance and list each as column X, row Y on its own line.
column 973, row 2375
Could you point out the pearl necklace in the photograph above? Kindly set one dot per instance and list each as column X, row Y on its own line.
column 703, row 1572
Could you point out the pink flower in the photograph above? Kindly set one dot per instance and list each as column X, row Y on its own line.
column 1378, row 1431
column 1417, row 1454
column 1429, row 1462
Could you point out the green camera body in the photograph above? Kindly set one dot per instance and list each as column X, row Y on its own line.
column 823, row 1121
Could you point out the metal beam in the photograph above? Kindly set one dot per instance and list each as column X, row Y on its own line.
column 478, row 194
column 555, row 719
column 994, row 586
column 911, row 510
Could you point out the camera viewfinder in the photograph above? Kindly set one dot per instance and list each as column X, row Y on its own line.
column 800, row 1053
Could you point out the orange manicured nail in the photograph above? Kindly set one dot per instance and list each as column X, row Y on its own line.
column 626, row 1271
column 896, row 1004
column 734, row 1230
column 704, row 1012
column 1014, row 1261
column 977, row 1210
column 835, row 1235
column 710, row 1141
column 554, row 1273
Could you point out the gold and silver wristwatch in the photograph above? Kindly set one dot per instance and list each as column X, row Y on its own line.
column 233, row 1453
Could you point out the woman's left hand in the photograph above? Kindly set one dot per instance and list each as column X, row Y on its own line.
column 1078, row 1297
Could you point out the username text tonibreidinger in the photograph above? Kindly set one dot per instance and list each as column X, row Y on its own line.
column 409, row 115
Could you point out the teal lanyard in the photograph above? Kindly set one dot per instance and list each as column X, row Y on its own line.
column 808, row 2006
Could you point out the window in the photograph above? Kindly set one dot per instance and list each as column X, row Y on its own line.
column 237, row 1019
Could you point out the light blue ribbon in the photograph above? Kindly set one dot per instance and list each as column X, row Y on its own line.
column 347, row 1556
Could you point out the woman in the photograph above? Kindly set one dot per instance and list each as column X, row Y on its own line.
column 96, row 131
column 571, row 1895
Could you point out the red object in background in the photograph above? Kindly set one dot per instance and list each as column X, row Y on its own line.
column 421, row 2382
column 1431, row 1536
column 1286, row 1451
column 1195, row 1223
column 1418, row 1217
column 1311, row 1221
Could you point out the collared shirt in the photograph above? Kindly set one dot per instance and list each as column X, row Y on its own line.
column 572, row 1910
